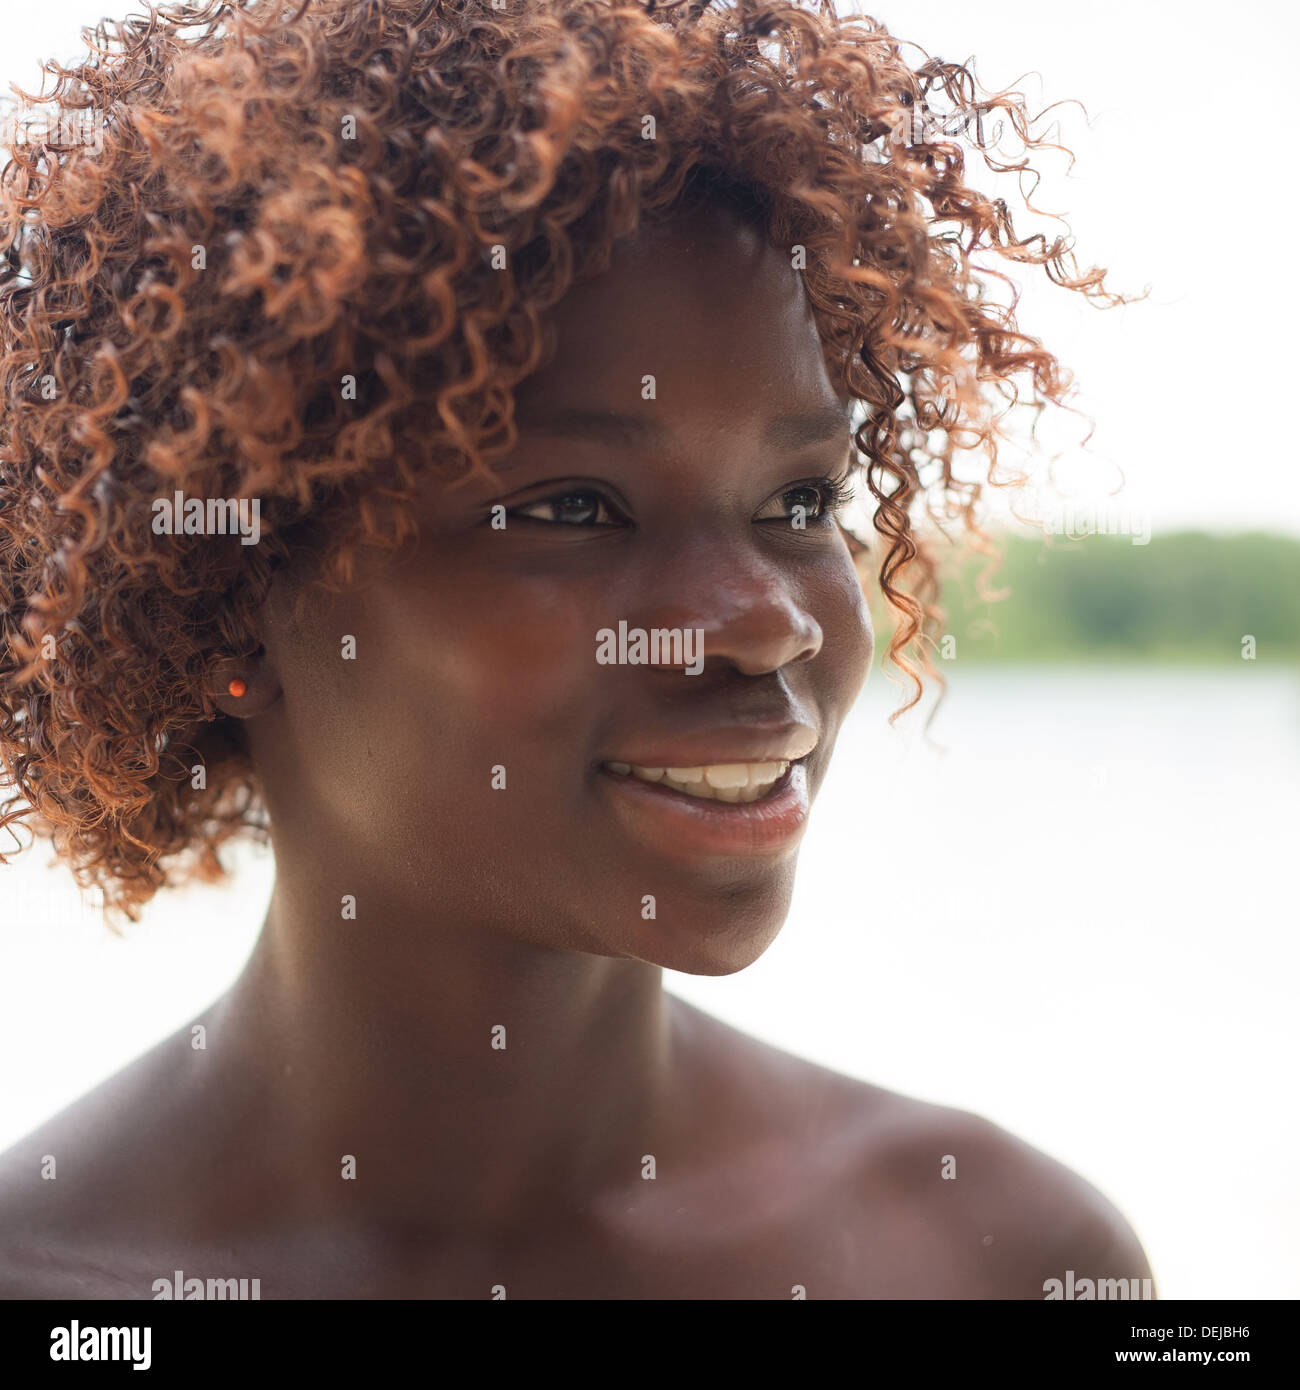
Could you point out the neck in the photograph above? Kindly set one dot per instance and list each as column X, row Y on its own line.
column 475, row 1079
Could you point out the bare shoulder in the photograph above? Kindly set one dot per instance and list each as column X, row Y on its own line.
column 97, row 1182
column 1004, row 1217
column 927, row 1200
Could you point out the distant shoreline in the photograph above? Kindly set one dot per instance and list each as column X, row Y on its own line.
column 1185, row 599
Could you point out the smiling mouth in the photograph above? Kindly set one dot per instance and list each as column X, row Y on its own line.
column 734, row 782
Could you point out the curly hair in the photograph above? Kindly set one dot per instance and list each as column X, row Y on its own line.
column 281, row 198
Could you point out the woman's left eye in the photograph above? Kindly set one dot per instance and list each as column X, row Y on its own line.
column 805, row 502
column 579, row 508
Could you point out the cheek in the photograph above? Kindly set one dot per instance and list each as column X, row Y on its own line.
column 849, row 641
column 512, row 658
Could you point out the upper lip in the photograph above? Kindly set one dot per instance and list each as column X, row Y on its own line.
column 731, row 743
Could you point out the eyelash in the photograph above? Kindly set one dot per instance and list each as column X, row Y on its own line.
column 835, row 494
column 564, row 495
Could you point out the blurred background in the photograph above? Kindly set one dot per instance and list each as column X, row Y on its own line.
column 1070, row 906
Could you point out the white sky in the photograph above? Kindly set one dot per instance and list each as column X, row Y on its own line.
column 1182, row 170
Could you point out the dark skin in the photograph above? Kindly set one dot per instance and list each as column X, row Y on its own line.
column 524, row 906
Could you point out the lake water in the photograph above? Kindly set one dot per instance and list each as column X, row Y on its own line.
column 1079, row 921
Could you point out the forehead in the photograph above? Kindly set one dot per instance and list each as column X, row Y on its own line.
column 697, row 313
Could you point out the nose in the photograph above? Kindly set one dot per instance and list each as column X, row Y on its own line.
column 752, row 614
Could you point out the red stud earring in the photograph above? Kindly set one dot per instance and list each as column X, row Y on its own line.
column 237, row 688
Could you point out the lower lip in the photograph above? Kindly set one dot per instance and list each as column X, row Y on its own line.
column 679, row 823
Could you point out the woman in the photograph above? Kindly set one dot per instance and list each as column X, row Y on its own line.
column 426, row 432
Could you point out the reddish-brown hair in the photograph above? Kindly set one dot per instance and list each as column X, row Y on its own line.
column 265, row 198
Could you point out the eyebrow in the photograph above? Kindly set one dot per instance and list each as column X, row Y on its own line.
column 790, row 431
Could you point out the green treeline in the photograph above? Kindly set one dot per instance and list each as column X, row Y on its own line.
column 1187, row 596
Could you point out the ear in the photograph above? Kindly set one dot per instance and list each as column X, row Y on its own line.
column 260, row 684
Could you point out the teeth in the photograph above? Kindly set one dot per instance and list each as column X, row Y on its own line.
column 731, row 782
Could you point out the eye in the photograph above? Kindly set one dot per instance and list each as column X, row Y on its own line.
column 816, row 500
column 580, row 507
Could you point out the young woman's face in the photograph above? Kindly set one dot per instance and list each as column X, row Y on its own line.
column 473, row 753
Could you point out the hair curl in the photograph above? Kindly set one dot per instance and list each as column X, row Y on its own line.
column 281, row 194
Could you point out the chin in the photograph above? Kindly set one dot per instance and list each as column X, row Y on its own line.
column 720, row 942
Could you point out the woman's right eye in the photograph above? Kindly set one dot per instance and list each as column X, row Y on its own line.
column 579, row 508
